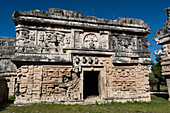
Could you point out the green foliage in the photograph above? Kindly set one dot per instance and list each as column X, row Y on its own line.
column 11, row 97
column 157, row 72
column 152, row 81
column 96, row 103
column 75, row 98
column 157, row 69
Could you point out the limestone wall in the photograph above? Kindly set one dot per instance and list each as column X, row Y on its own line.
column 43, row 83
column 128, row 82
column 50, row 83
column 7, row 50
column 7, row 67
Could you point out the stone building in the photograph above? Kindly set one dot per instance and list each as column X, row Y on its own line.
column 7, row 67
column 163, row 38
column 64, row 57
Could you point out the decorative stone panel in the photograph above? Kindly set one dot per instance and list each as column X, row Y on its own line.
column 46, row 84
column 130, row 80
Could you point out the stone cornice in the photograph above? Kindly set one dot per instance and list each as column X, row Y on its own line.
column 51, row 18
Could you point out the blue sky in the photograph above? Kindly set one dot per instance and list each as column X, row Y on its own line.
column 151, row 11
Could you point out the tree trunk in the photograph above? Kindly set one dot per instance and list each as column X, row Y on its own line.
column 152, row 88
column 158, row 87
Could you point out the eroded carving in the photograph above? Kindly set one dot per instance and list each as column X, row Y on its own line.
column 91, row 41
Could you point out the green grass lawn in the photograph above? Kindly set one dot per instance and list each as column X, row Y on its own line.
column 157, row 105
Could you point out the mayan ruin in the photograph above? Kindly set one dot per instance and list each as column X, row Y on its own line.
column 7, row 67
column 63, row 57
column 163, row 38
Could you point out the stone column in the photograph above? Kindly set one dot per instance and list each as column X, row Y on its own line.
column 168, row 84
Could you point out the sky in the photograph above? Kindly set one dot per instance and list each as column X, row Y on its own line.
column 151, row 11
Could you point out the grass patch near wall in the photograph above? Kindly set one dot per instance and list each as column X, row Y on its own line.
column 162, row 87
column 157, row 105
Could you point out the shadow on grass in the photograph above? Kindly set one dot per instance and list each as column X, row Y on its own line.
column 165, row 96
column 5, row 104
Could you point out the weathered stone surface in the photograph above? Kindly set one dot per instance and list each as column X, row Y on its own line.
column 163, row 38
column 57, row 49
column 7, row 67
column 168, row 84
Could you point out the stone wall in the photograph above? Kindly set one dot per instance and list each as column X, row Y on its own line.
column 128, row 82
column 50, row 83
column 56, row 49
column 7, row 67
column 47, row 83
column 4, row 90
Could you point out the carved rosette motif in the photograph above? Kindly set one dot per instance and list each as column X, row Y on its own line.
column 91, row 41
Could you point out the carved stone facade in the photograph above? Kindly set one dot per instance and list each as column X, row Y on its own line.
column 163, row 38
column 7, row 67
column 63, row 57
column 128, row 82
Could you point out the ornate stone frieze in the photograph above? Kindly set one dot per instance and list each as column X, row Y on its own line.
column 42, row 42
column 129, row 43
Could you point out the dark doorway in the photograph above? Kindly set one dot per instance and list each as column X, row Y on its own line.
column 91, row 84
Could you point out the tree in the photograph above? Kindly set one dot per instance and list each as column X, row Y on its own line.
column 157, row 72
column 152, row 81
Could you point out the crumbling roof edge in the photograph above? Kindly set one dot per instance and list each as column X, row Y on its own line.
column 131, row 22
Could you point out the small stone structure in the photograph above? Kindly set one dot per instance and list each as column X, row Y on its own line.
column 64, row 57
column 4, row 90
column 7, row 67
column 163, row 38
